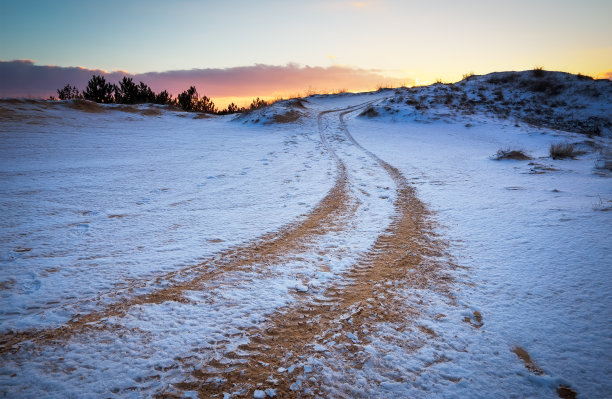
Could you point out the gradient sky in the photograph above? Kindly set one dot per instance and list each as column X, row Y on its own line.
column 417, row 41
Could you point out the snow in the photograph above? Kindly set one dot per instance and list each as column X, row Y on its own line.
column 100, row 200
column 536, row 247
column 101, row 207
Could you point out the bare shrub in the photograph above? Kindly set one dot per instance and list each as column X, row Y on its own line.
column 538, row 72
column 562, row 151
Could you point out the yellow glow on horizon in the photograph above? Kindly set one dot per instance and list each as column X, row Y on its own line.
column 392, row 80
column 245, row 101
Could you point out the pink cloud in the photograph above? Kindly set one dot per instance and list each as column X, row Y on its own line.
column 22, row 78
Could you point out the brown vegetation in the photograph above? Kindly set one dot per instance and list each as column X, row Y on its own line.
column 85, row 106
column 562, row 151
column 288, row 117
column 517, row 155
column 369, row 112
column 526, row 358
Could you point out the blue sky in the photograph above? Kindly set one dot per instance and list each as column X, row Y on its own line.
column 417, row 40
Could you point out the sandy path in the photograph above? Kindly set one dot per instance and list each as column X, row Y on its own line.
column 401, row 254
column 329, row 215
column 365, row 297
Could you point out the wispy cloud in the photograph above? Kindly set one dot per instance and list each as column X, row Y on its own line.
column 607, row 75
column 23, row 78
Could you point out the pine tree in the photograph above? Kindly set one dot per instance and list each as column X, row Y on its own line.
column 128, row 91
column 145, row 94
column 68, row 93
column 258, row 103
column 163, row 98
column 99, row 90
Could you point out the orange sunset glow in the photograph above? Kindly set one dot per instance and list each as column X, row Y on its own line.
column 318, row 46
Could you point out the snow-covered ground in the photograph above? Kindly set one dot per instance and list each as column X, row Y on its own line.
column 535, row 236
column 144, row 251
column 91, row 201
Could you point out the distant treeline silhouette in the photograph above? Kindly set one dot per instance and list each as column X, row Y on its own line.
column 128, row 92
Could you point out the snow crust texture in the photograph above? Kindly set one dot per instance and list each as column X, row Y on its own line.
column 335, row 246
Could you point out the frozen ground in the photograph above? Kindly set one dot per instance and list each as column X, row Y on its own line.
column 535, row 237
column 93, row 200
column 151, row 252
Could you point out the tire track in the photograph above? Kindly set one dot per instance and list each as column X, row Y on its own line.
column 330, row 215
column 403, row 257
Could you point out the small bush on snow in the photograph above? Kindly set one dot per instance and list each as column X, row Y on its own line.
column 562, row 151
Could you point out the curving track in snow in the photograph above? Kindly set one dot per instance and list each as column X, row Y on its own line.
column 321, row 338
column 310, row 298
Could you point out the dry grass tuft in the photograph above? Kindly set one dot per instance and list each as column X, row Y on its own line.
column 7, row 114
column 127, row 108
column 517, row 155
column 150, row 112
column 288, row 117
column 296, row 103
column 538, row 71
column 85, row 106
column 562, row 151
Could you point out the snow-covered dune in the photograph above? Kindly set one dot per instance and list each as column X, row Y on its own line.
column 354, row 245
column 92, row 201
column 557, row 100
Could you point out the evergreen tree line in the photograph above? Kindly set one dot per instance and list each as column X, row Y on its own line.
column 128, row 92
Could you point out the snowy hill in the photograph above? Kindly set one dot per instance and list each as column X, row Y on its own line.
column 556, row 100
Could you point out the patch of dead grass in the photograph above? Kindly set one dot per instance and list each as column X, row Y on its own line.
column 562, row 151
column 517, row 155
column 85, row 106
column 527, row 361
column 151, row 112
column 288, row 117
